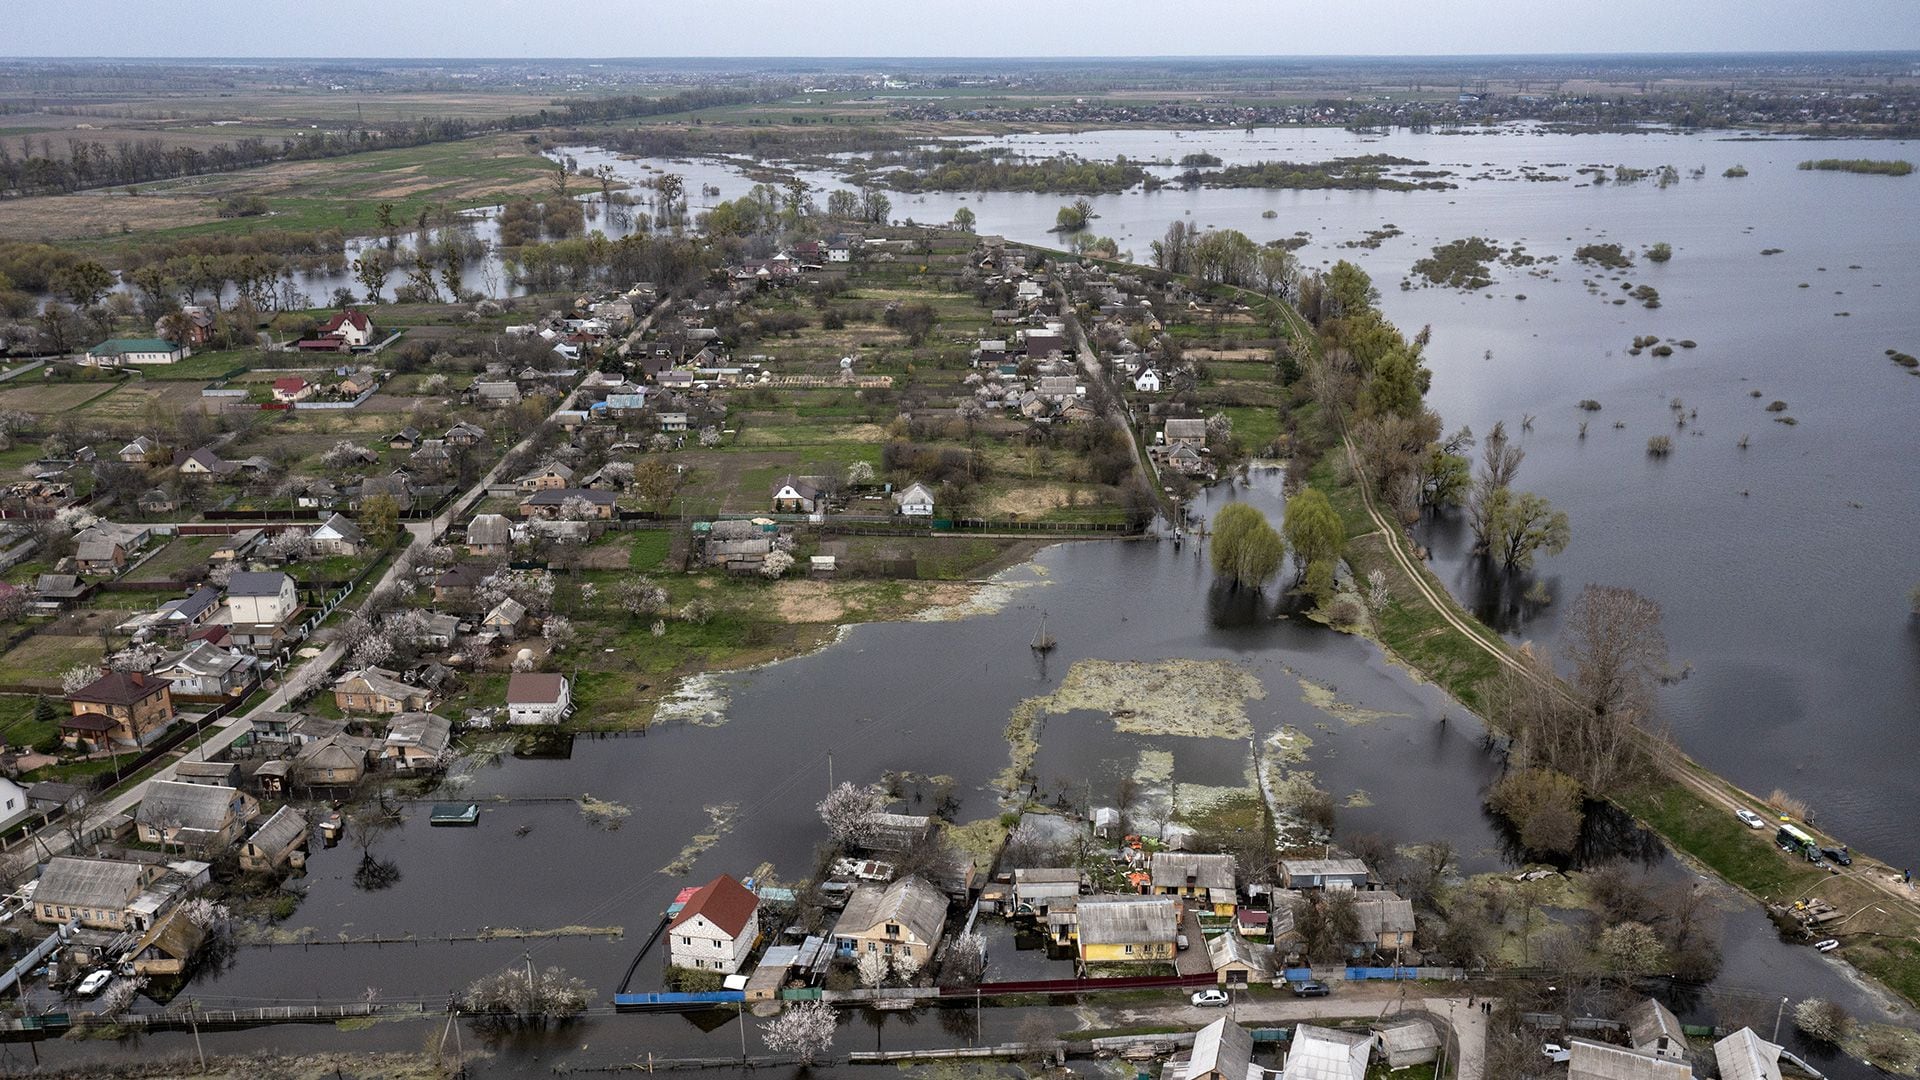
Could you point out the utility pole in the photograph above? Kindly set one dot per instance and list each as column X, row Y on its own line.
column 1777, row 1014
column 193, row 1021
column 533, row 1005
column 742, row 1007
column 829, row 772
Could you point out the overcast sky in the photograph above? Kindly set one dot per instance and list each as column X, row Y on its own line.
column 1026, row 28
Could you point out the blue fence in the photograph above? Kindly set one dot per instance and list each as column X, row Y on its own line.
column 1356, row 974
column 703, row 1000
column 1298, row 974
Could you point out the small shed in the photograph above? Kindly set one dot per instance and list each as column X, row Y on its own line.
column 1409, row 1042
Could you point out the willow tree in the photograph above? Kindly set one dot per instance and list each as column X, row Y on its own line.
column 1246, row 549
column 1317, row 535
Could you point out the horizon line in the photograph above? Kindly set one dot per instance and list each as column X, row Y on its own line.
column 1018, row 58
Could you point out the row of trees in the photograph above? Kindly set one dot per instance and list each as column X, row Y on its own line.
column 1247, row 551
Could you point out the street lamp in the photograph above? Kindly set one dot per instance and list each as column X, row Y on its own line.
column 1777, row 1014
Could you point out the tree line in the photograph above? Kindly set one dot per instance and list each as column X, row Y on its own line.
column 35, row 165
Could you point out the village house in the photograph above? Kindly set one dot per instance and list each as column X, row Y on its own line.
column 338, row 536
column 123, row 708
column 549, row 477
column 797, row 495
column 98, row 892
column 52, row 592
column 916, row 500
column 553, row 502
column 716, row 928
column 489, row 534
column 332, row 760
column 1185, row 433
column 315, row 493
column 535, row 697
column 433, row 457
column 1319, row 1053
column 353, row 384
column 118, row 352
column 418, row 740
column 1043, row 345
column 157, row 501
column 237, row 546
column 407, row 438
column 1386, row 924
column 101, row 554
column 1206, row 878
column 1590, row 1060
column 15, row 803
column 457, row 583
column 350, row 329
column 205, row 670
column 261, row 607
column 192, row 325
column 505, row 619
column 495, row 393
column 377, row 690
column 1126, row 929
column 393, row 486
column 200, row 817
column 139, row 451
column 272, row 845
column 1147, row 382
column 292, row 388
column 204, row 462
column 464, row 434
column 902, row 919
column 182, row 614
column 1323, row 874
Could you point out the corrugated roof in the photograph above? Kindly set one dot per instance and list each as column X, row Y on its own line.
column 169, row 804
column 910, row 902
column 1318, row 1053
column 1649, row 1022
column 250, row 583
column 1746, row 1056
column 90, row 883
column 1411, row 1035
column 1124, row 920
column 1222, row 1047
column 280, row 831
column 1382, row 913
column 535, row 688
column 1323, row 867
column 1598, row 1061
column 1173, row 869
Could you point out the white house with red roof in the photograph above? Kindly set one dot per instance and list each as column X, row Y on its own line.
column 292, row 388
column 350, row 329
column 716, row 928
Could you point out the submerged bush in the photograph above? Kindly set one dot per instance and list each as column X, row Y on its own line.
column 1659, row 446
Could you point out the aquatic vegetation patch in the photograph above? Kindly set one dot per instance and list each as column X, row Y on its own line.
column 602, row 812
column 1460, row 264
column 700, row 700
column 953, row 602
column 1326, row 699
column 1197, row 698
column 720, row 818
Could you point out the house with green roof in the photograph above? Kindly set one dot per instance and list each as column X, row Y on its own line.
column 118, row 352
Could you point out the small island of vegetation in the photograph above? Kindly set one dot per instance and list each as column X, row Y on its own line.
column 1200, row 161
column 1860, row 165
column 1366, row 172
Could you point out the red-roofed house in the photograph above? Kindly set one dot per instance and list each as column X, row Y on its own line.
column 346, row 330
column 292, row 388
column 716, row 929
column 124, row 708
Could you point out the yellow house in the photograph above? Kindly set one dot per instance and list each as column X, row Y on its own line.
column 1205, row 880
column 1126, row 929
column 902, row 919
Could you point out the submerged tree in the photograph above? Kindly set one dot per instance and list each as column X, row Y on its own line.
column 804, row 1030
column 523, row 995
column 1246, row 549
column 1316, row 534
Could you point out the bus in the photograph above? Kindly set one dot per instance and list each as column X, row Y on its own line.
column 1797, row 842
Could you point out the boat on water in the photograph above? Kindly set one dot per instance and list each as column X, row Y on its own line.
column 455, row 814
column 1042, row 640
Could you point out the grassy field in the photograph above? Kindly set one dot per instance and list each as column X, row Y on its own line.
column 334, row 193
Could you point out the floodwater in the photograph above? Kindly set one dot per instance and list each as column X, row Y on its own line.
column 930, row 697
column 1782, row 569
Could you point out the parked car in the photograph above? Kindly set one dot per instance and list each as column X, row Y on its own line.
column 1828, row 945
column 1838, row 854
column 1750, row 819
column 1209, row 998
column 1180, row 942
column 1556, row 1053
column 95, row 982
column 1311, row 989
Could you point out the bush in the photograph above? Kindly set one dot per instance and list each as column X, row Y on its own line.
column 1659, row 446
column 1660, row 252
column 1590, row 405
column 1542, row 805
column 1822, row 1021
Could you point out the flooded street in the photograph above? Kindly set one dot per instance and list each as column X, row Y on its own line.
column 932, row 697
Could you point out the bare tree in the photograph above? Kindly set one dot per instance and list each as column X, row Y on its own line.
column 848, row 811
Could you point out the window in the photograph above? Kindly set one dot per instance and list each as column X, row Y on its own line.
column 873, row 946
column 1129, row 949
column 686, row 941
column 893, row 930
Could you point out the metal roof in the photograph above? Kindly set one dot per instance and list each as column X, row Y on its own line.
column 1746, row 1056
column 1223, row 1048
column 1597, row 1061
column 1128, row 920
column 280, row 831
column 1179, row 868
column 169, row 804
column 90, row 883
column 1318, row 1053
column 911, row 902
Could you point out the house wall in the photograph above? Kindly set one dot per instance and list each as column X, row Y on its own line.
column 1120, row 954
column 97, row 918
column 877, row 940
column 262, row 609
column 136, row 723
column 699, row 944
